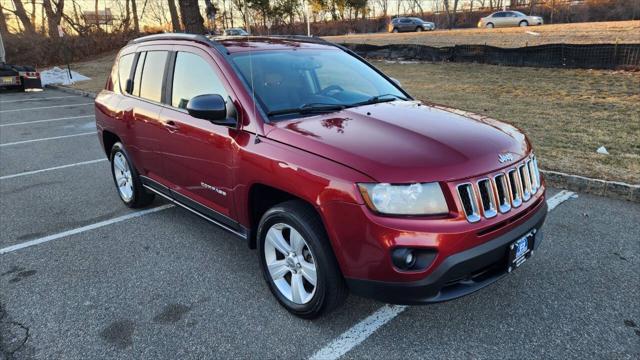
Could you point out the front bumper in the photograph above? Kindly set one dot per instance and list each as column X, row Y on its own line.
column 459, row 274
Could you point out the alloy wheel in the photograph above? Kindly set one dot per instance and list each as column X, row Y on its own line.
column 124, row 180
column 290, row 263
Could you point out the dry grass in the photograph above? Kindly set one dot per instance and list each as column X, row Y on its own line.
column 576, row 33
column 97, row 69
column 567, row 114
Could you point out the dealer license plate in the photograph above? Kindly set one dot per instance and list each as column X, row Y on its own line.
column 520, row 250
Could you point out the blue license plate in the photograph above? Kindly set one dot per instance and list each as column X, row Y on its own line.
column 521, row 247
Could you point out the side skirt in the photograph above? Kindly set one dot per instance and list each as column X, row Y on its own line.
column 196, row 208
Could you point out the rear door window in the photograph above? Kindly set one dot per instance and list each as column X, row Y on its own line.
column 193, row 76
column 153, row 75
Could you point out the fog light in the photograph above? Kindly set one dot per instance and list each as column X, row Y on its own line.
column 403, row 258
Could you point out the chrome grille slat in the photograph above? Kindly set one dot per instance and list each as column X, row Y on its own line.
column 525, row 182
column 532, row 176
column 502, row 193
column 514, row 187
column 467, row 197
column 487, row 198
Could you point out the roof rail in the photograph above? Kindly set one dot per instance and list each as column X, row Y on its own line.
column 171, row 36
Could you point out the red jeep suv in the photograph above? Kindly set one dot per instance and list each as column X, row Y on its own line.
column 338, row 177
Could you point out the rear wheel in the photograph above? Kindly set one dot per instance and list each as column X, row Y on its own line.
column 127, row 180
column 489, row 26
column 297, row 261
column 524, row 23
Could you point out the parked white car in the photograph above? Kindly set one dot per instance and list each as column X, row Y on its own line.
column 509, row 18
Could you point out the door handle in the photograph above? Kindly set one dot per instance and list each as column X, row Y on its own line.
column 171, row 126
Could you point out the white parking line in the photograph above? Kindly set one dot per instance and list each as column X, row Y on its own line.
column 358, row 333
column 79, row 230
column 559, row 198
column 362, row 330
column 45, row 139
column 45, row 107
column 36, row 99
column 47, row 120
column 51, row 169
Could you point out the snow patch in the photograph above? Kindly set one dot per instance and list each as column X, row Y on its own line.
column 60, row 76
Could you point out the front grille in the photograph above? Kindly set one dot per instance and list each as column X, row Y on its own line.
column 502, row 192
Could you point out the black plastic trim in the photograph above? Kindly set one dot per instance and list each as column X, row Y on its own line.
column 203, row 211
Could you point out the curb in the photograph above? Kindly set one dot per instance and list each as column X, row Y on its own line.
column 611, row 189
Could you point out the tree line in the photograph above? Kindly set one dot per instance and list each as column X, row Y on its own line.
column 195, row 16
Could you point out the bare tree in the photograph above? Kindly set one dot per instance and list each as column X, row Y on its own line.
column 175, row 21
column 134, row 11
column 4, row 29
column 21, row 13
column 191, row 18
column 451, row 12
column 53, row 16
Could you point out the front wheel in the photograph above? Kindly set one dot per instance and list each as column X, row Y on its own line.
column 297, row 260
column 419, row 29
column 127, row 180
column 489, row 26
column 524, row 23
column 395, row 30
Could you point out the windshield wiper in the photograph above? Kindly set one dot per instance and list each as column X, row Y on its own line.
column 310, row 108
column 379, row 99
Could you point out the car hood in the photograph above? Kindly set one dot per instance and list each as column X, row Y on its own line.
column 405, row 141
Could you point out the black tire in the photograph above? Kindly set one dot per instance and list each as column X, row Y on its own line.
column 523, row 23
column 330, row 291
column 395, row 30
column 141, row 197
column 489, row 26
column 419, row 29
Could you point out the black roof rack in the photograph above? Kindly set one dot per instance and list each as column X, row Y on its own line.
column 170, row 36
column 215, row 43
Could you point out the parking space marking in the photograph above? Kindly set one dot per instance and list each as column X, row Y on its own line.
column 82, row 229
column 36, row 99
column 51, row 169
column 47, row 120
column 559, row 198
column 45, row 107
column 358, row 333
column 365, row 328
column 46, row 139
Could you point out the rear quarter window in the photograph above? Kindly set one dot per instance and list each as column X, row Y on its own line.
column 124, row 71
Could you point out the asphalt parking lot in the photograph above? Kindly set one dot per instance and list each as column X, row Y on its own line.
column 84, row 277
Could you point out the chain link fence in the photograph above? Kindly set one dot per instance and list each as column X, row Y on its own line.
column 591, row 56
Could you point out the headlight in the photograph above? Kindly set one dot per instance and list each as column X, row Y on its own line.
column 410, row 199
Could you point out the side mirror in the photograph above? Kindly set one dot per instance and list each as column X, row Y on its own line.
column 395, row 81
column 210, row 107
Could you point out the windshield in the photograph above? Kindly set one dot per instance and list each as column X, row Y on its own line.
column 326, row 80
